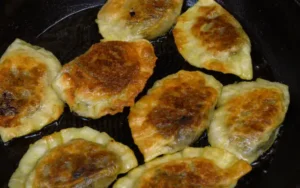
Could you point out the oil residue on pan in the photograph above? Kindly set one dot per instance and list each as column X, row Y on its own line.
column 71, row 37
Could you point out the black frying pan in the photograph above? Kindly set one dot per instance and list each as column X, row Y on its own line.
column 67, row 28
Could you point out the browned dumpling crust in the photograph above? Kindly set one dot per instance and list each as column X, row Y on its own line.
column 74, row 157
column 27, row 100
column 248, row 116
column 13, row 85
column 137, row 19
column 174, row 113
column 192, row 173
column 191, row 168
column 207, row 36
column 106, row 78
column 92, row 161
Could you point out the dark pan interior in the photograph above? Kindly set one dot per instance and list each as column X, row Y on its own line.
column 68, row 29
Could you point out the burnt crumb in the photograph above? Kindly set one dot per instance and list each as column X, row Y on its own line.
column 7, row 96
column 6, row 108
column 78, row 173
column 185, row 120
column 9, row 111
column 132, row 13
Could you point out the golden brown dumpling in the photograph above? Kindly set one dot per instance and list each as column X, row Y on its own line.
column 207, row 36
column 106, row 78
column 191, row 168
column 174, row 113
column 137, row 19
column 27, row 100
column 74, row 157
column 248, row 116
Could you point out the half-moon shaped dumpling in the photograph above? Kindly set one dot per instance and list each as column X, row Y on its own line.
column 248, row 116
column 106, row 78
column 137, row 19
column 207, row 36
column 74, row 157
column 193, row 167
column 174, row 113
column 27, row 100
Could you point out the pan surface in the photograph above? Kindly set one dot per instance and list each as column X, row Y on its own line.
column 68, row 29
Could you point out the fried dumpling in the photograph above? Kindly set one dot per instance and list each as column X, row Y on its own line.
column 207, row 36
column 174, row 113
column 27, row 100
column 193, row 167
column 106, row 78
column 248, row 117
column 137, row 19
column 74, row 157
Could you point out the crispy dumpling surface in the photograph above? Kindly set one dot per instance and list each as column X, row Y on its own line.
column 207, row 36
column 106, row 78
column 193, row 167
column 27, row 100
column 74, row 157
column 248, row 116
column 137, row 19
column 174, row 113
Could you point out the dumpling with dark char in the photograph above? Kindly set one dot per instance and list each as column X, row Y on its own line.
column 27, row 100
column 174, row 113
